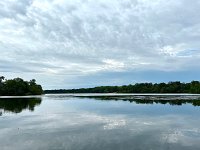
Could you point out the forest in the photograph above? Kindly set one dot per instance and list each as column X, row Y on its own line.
column 170, row 87
column 19, row 87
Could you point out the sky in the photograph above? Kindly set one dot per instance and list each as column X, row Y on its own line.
column 85, row 43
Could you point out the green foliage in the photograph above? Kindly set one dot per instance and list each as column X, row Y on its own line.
column 194, row 87
column 170, row 87
column 19, row 87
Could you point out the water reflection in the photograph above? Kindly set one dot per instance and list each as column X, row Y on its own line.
column 17, row 105
column 152, row 100
column 74, row 123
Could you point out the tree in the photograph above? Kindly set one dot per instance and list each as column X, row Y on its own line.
column 1, row 79
column 195, row 87
column 17, row 86
column 1, row 83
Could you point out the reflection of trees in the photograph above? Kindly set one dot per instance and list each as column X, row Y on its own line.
column 194, row 102
column 18, row 105
column 171, row 102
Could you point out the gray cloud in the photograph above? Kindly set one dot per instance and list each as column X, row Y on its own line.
column 78, row 37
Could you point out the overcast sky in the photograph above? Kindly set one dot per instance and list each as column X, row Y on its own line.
column 86, row 43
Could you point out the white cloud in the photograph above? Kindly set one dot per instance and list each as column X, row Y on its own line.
column 81, row 37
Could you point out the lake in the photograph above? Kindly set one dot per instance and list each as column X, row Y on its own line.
column 100, row 122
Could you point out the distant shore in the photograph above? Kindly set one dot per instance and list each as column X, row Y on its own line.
column 125, row 94
column 176, row 87
column 115, row 96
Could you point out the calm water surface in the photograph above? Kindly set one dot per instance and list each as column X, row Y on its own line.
column 59, row 122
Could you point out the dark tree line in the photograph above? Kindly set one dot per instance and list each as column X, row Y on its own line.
column 170, row 87
column 19, row 87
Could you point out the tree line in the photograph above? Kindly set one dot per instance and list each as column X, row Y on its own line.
column 170, row 87
column 19, row 87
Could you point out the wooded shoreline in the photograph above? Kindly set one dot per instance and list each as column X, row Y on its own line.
column 19, row 87
column 171, row 87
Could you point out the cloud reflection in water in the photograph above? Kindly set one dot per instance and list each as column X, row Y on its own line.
column 78, row 124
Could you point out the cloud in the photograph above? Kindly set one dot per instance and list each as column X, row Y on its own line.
column 78, row 37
